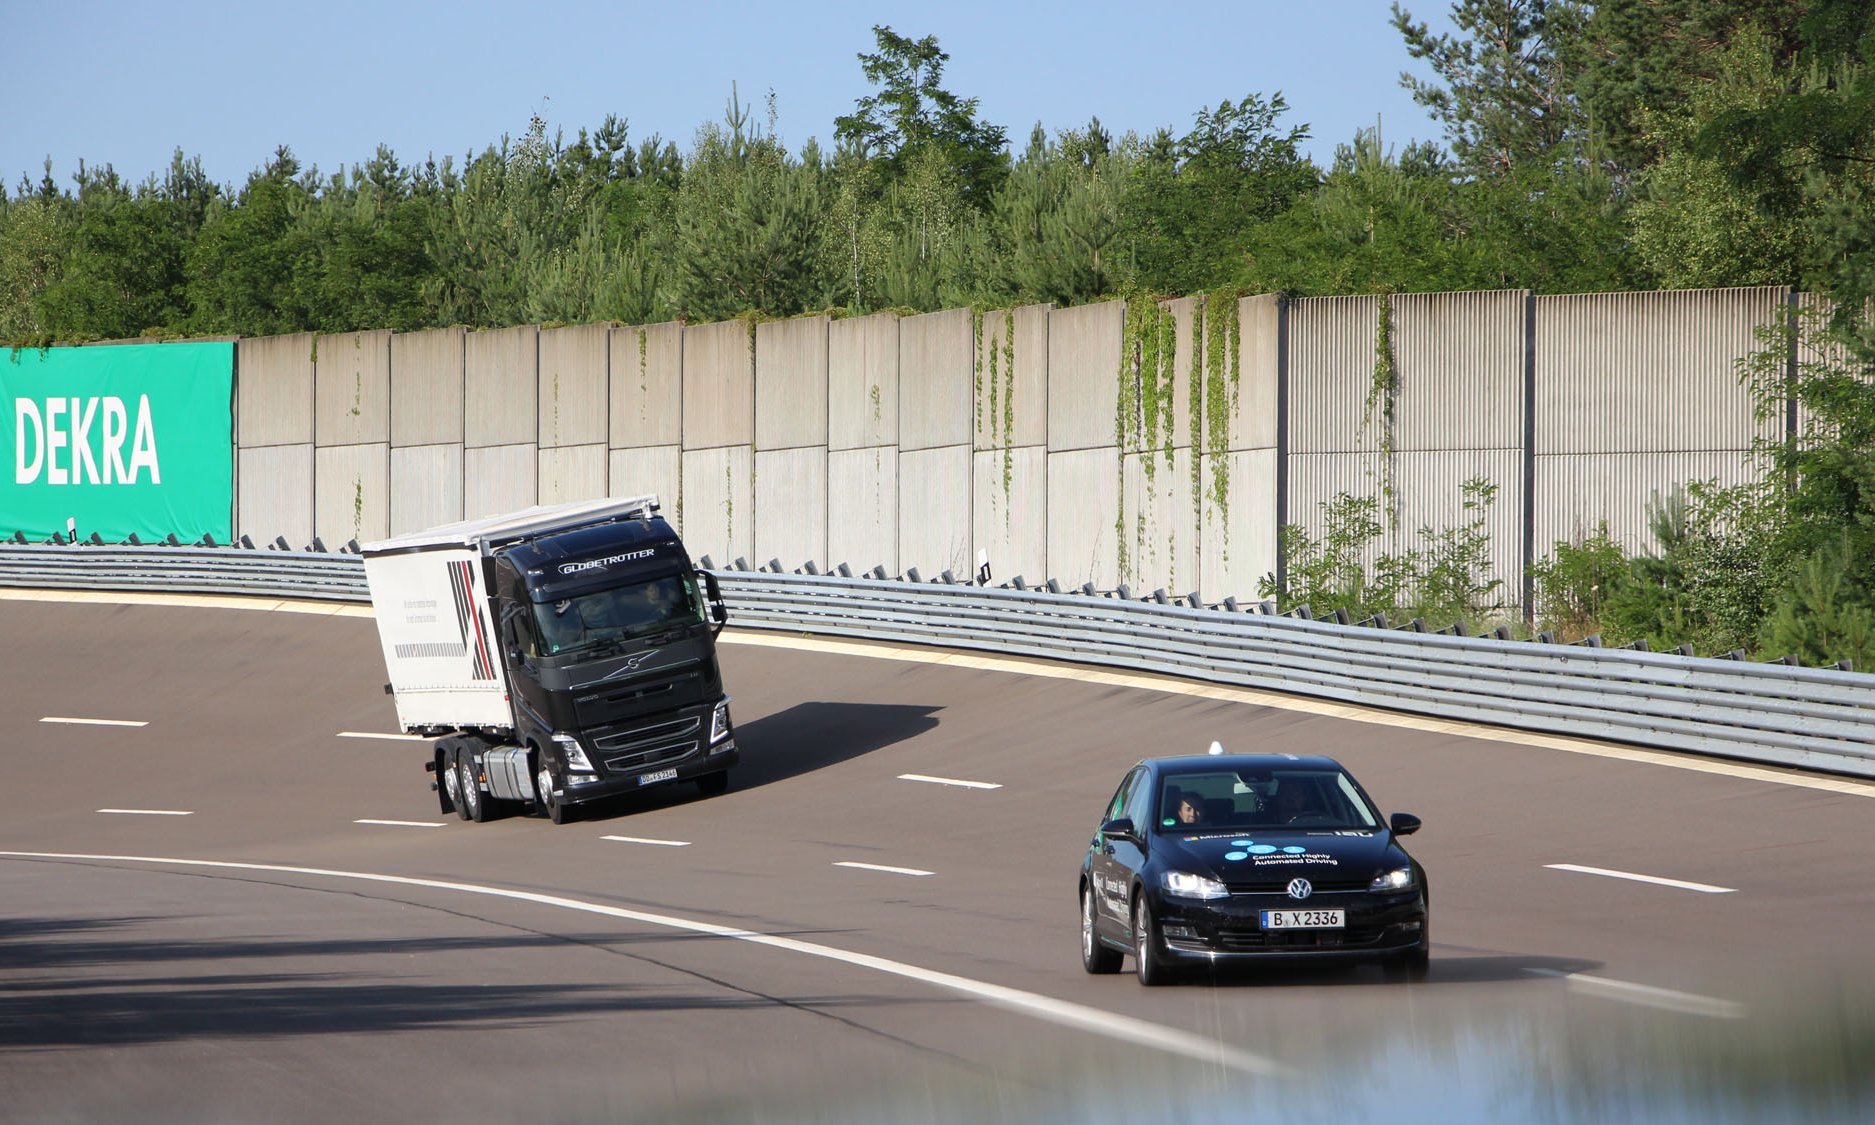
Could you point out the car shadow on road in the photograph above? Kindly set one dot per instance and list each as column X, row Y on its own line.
column 799, row 740
column 1447, row 969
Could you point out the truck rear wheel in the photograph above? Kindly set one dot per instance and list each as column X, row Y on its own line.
column 474, row 803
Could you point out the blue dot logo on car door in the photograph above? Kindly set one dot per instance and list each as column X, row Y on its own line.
column 1293, row 850
column 1262, row 849
column 1241, row 843
column 1235, row 855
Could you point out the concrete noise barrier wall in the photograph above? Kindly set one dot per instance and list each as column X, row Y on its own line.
column 1152, row 444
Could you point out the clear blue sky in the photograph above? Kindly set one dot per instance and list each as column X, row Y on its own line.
column 127, row 83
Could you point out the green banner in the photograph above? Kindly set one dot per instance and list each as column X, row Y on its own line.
column 116, row 439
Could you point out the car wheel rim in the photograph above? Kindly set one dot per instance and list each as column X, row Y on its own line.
column 1140, row 940
column 1087, row 925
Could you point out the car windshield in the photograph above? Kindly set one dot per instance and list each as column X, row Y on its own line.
column 1203, row 800
column 606, row 617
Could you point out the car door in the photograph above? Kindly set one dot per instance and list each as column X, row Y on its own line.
column 1111, row 875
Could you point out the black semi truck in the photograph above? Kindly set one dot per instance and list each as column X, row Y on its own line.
column 557, row 655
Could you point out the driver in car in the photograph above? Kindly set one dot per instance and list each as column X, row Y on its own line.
column 1292, row 802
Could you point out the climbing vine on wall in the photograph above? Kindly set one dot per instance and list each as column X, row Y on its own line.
column 1223, row 378
column 996, row 410
column 1377, row 413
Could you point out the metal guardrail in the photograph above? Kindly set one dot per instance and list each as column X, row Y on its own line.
column 1812, row 718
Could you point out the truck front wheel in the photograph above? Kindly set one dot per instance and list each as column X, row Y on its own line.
column 552, row 809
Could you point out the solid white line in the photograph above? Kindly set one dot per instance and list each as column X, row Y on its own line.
column 884, row 868
column 1649, row 996
column 95, row 722
column 643, row 840
column 1682, row 884
column 949, row 781
column 1080, row 1017
column 403, row 823
column 386, row 737
column 149, row 812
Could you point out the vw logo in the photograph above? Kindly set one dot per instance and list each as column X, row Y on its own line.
column 1300, row 888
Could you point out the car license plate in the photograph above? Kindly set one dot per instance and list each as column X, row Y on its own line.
column 654, row 778
column 1304, row 919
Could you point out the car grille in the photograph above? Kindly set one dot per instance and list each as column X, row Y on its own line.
column 1245, row 941
column 1281, row 886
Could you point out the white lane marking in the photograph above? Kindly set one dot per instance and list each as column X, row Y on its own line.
column 1198, row 689
column 402, row 823
column 1080, row 1017
column 949, row 781
column 1682, row 884
column 150, row 812
column 645, row 840
column 1649, row 996
column 386, row 737
column 883, row 867
column 94, row 722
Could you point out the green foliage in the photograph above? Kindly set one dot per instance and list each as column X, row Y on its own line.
column 1824, row 615
column 1445, row 580
column 1575, row 583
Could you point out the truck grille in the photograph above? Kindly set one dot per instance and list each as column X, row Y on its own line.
column 643, row 748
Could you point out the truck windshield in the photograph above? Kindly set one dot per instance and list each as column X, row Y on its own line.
column 604, row 617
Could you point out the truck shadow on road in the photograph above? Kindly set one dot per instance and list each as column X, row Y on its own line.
column 799, row 740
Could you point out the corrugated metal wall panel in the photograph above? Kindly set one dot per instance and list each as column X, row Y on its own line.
column 1427, row 486
column 1648, row 372
column 1010, row 511
column 1161, row 522
column 1576, row 492
column 1083, row 513
column 1332, row 342
column 862, row 508
column 1460, row 359
column 276, row 391
column 934, row 493
column 719, row 491
column 791, row 506
column 719, row 387
column 426, row 486
column 1240, row 538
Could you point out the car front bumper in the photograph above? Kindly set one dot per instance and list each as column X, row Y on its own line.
column 1378, row 925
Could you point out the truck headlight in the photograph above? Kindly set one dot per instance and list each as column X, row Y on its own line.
column 719, row 723
column 1399, row 879
column 1186, row 885
column 575, row 757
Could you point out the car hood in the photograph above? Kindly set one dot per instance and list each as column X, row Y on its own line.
column 1276, row 856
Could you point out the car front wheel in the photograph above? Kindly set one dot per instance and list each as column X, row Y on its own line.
column 1147, row 965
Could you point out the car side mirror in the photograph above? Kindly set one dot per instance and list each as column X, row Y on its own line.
column 1121, row 827
column 1403, row 823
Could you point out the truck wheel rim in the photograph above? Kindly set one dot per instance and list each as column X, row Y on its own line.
column 543, row 787
column 471, row 796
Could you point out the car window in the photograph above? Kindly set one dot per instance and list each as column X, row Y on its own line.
column 1139, row 802
column 1229, row 800
column 1116, row 808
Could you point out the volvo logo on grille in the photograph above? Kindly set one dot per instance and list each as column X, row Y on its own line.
column 1300, row 888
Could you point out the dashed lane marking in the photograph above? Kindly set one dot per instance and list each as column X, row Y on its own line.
column 1682, row 884
column 1078, row 1017
column 1172, row 685
column 94, row 722
column 1649, row 996
column 150, row 812
column 386, row 737
column 883, row 867
column 402, row 823
column 950, row 781
column 645, row 840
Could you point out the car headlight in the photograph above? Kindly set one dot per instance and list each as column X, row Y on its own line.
column 575, row 757
column 1186, row 885
column 1399, row 879
column 719, row 723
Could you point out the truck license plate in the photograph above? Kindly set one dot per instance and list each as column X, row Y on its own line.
column 654, row 778
column 1304, row 919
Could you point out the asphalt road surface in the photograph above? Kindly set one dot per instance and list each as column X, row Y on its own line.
column 219, row 902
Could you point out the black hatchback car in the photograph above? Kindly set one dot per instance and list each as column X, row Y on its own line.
column 1217, row 858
